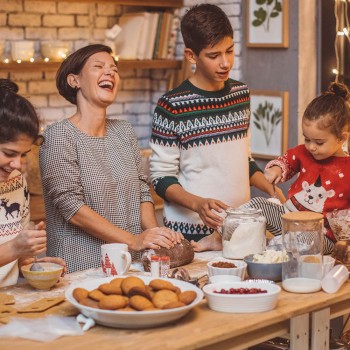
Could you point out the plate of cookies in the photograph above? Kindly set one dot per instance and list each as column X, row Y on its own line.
column 134, row 301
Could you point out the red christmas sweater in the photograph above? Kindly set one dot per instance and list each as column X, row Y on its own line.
column 322, row 185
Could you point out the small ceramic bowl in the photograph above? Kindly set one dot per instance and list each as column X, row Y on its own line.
column 42, row 279
column 239, row 270
column 267, row 271
column 241, row 303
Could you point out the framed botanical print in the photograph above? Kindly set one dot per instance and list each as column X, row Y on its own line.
column 267, row 23
column 268, row 123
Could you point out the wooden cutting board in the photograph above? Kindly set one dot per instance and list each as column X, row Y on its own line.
column 40, row 308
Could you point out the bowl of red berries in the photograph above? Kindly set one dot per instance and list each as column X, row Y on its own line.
column 242, row 297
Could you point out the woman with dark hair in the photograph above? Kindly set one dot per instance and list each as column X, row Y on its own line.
column 94, row 187
column 19, row 129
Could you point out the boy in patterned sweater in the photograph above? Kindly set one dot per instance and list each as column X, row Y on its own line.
column 201, row 162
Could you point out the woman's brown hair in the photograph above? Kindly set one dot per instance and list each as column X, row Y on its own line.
column 73, row 64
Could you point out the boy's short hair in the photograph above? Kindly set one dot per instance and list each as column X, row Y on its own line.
column 204, row 25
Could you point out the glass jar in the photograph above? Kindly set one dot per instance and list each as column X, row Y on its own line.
column 302, row 240
column 244, row 233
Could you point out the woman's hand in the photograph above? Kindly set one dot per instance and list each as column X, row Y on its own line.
column 273, row 175
column 206, row 208
column 30, row 241
column 155, row 238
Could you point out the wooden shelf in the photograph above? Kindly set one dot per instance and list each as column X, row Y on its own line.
column 122, row 64
column 144, row 3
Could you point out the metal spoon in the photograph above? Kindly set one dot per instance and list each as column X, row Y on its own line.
column 35, row 266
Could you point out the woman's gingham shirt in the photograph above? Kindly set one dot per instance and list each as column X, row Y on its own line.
column 104, row 173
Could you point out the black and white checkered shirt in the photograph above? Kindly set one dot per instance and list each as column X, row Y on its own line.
column 104, row 173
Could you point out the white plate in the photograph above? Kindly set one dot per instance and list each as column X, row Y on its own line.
column 241, row 303
column 133, row 319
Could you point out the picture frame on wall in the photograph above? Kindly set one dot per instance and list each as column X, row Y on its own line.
column 268, row 123
column 267, row 23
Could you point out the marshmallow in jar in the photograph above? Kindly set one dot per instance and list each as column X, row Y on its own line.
column 243, row 233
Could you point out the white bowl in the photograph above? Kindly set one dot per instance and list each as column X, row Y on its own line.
column 242, row 303
column 224, row 278
column 22, row 50
column 239, row 270
column 133, row 319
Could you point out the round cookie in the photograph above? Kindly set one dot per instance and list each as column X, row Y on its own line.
column 163, row 297
column 80, row 293
column 117, row 281
column 140, row 303
column 139, row 291
column 109, row 288
column 158, row 284
column 112, row 302
column 89, row 302
column 173, row 305
column 187, row 296
column 130, row 282
column 96, row 295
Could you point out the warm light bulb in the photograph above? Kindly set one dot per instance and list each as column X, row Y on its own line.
column 6, row 60
column 335, row 71
column 46, row 59
column 19, row 61
column 31, row 59
column 345, row 31
column 340, row 33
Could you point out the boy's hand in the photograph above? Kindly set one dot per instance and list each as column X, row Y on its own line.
column 206, row 208
column 273, row 175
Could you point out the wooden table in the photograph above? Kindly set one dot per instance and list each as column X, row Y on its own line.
column 203, row 328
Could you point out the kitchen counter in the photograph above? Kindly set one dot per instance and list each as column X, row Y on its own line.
column 202, row 328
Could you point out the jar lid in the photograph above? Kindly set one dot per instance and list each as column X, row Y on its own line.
column 302, row 216
column 243, row 211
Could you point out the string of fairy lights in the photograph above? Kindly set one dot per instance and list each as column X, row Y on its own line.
column 342, row 37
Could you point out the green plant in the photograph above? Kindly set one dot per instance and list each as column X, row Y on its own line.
column 266, row 118
column 268, row 9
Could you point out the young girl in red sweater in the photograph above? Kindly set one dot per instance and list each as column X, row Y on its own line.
column 323, row 183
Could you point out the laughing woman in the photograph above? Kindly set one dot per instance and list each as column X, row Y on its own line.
column 94, row 187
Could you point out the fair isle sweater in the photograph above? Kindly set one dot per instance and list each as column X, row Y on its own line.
column 14, row 215
column 200, row 140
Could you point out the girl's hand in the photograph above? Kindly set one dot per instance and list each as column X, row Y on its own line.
column 273, row 175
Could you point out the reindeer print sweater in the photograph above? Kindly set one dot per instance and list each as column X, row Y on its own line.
column 14, row 215
column 322, row 185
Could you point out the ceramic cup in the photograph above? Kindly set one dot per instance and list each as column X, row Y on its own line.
column 115, row 259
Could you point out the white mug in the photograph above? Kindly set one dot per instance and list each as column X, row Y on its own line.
column 115, row 259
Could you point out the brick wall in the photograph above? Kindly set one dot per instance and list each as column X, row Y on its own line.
column 82, row 23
